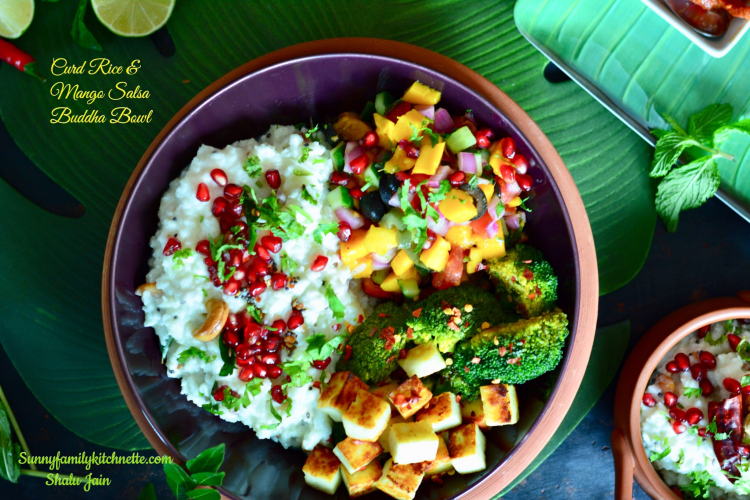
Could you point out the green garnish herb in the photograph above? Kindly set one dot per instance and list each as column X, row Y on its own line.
column 659, row 456
column 286, row 264
column 252, row 166
column 692, row 392
column 194, row 352
column 305, row 155
column 323, row 229
column 179, row 255
column 307, row 196
column 701, row 483
column 311, row 132
column 255, row 313
column 337, row 308
column 301, row 172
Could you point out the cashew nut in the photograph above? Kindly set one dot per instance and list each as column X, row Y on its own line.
column 218, row 312
column 666, row 383
column 147, row 287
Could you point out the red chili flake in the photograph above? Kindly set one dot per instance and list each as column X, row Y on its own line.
column 528, row 261
column 348, row 353
column 476, row 360
column 383, row 382
column 513, row 361
column 399, row 399
column 402, row 354
column 458, row 398
column 337, row 327
column 453, row 326
column 387, row 335
column 416, row 313
column 538, row 291
column 445, row 305
column 523, row 341
column 502, row 351
column 532, row 296
column 390, row 359
column 466, row 369
column 383, row 315
column 513, row 279
column 409, row 333
column 360, row 319
column 466, row 325
column 528, row 274
column 373, row 330
column 316, row 384
column 511, row 347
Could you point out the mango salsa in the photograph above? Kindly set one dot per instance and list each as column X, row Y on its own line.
column 384, row 129
column 475, row 258
column 355, row 248
column 458, row 206
column 349, row 127
column 403, row 129
column 515, row 202
column 366, row 272
column 420, row 93
column 390, row 284
column 380, row 239
column 436, row 257
column 429, row 158
column 491, row 248
column 460, row 236
column 497, row 158
column 399, row 162
column 401, row 263
column 488, row 190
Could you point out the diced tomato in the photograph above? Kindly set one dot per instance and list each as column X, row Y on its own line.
column 373, row 289
column 416, row 179
column 399, row 109
column 480, row 225
column 453, row 272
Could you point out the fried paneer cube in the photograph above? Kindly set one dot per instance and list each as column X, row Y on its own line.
column 443, row 412
column 367, row 417
column 322, row 470
column 355, row 454
column 422, row 360
column 500, row 404
column 339, row 394
column 473, row 411
column 410, row 396
column 442, row 462
column 363, row 481
column 413, row 442
column 400, row 481
column 467, row 447
column 383, row 439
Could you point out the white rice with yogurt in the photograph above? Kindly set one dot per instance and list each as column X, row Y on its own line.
column 689, row 453
column 180, row 307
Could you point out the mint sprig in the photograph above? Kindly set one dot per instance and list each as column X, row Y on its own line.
column 202, row 470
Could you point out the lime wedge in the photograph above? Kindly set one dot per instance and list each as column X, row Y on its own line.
column 133, row 17
column 15, row 17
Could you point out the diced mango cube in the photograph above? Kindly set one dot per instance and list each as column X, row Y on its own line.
column 407, row 124
column 399, row 162
column 458, row 206
column 413, row 442
column 420, row 93
column 488, row 189
column 473, row 412
column 400, row 481
column 339, row 394
column 460, row 236
column 380, row 239
column 349, row 127
column 362, row 268
column 515, row 202
column 363, row 481
column 384, row 129
column 410, row 396
column 443, row 412
column 492, row 248
column 422, row 360
column 436, row 257
column 429, row 158
column 390, row 284
column 355, row 454
column 383, row 439
column 497, row 158
column 442, row 462
column 475, row 258
column 401, row 263
column 500, row 404
column 321, row 470
column 367, row 417
column 355, row 248
column 467, row 447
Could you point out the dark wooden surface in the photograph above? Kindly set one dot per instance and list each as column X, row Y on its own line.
column 709, row 256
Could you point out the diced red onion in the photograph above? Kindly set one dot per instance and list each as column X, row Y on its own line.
column 513, row 221
column 349, row 216
column 383, row 261
column 492, row 207
column 440, row 227
column 492, row 229
column 426, row 110
column 351, row 151
column 441, row 174
column 509, row 191
column 443, row 122
column 467, row 162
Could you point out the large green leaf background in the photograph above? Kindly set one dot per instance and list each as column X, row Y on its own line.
column 50, row 319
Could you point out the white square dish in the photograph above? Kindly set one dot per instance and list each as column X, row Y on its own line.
column 714, row 47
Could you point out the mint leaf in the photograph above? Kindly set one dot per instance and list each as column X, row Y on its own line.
column 305, row 156
column 692, row 392
column 208, row 478
column 323, row 229
column 675, row 126
column 178, row 480
column 319, row 348
column 194, row 352
column 252, row 166
column 700, row 486
column 705, row 123
column 286, row 264
column 659, row 456
column 686, row 187
column 337, row 308
column 9, row 451
column 179, row 255
column 740, row 127
column 80, row 33
column 668, row 151
column 307, row 196
column 208, row 460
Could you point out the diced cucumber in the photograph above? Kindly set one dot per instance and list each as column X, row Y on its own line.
column 369, row 110
column 337, row 154
column 504, row 226
column 410, row 288
column 372, row 175
column 340, row 197
column 383, row 101
column 380, row 275
column 461, row 139
column 394, row 218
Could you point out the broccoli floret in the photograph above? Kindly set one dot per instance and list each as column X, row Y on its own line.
column 527, row 278
column 449, row 315
column 513, row 353
column 375, row 344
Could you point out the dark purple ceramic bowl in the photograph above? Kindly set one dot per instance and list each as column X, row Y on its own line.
column 290, row 92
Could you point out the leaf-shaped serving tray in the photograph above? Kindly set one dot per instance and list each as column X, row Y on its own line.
column 639, row 67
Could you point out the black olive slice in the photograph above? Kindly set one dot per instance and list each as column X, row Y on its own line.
column 480, row 200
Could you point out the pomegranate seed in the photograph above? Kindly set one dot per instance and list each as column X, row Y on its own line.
column 261, row 370
column 232, row 192
column 683, row 361
column 319, row 263
column 272, row 343
column 295, row 320
column 273, row 178
column 649, row 400
column 702, row 432
column 246, row 374
column 398, row 110
column 707, row 359
column 235, row 258
column 732, row 385
column 508, row 173
column 219, row 207
column 339, row 178
column 702, row 331
column 457, row 178
column 280, row 326
column 277, row 394
column 262, row 252
column 672, row 367
column 707, row 388
column 521, row 164
column 508, row 147
column 274, row 371
column 272, row 243
column 409, row 148
column 257, row 288
column 171, row 247
column 524, row 181
column 678, row 414
column 670, row 399
column 370, row 140
column 278, row 281
column 231, row 288
column 321, row 364
column 734, row 341
column 360, row 163
column 356, row 193
column 203, row 247
column 743, row 450
column 746, row 390
column 402, row 176
column 677, row 491
column 345, row 231
column 347, row 353
column 239, row 275
column 698, row 371
column 678, row 427
column 226, row 221
column 260, row 267
column 270, row 358
column 482, row 141
column 237, row 208
column 252, row 333
column 219, row 393
column 219, row 177
column 232, row 339
column 694, row 415
column 202, row 194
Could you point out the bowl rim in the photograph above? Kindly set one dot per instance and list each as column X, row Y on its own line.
column 641, row 364
column 582, row 238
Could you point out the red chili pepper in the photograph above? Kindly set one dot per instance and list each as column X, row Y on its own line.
column 20, row 59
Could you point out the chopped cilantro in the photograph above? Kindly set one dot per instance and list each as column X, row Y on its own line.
column 252, row 166
column 205, row 293
column 227, row 356
column 323, row 229
column 286, row 264
column 200, row 219
column 439, row 195
column 721, row 436
column 305, row 154
column 213, row 408
column 301, row 172
column 307, row 196
column 319, row 348
column 473, row 181
column 256, row 314
column 177, row 257
column 200, row 277
column 274, row 412
column 412, row 219
column 289, row 409
column 297, row 372
column 337, row 308
column 711, row 428
column 742, row 484
column 499, row 208
column 194, row 352
column 319, row 160
column 692, row 392
column 659, row 456
column 311, row 132
column 269, row 427
column 253, row 387
column 434, row 137
column 523, row 206
column 745, row 380
column 681, row 459
column 259, row 184
column 701, row 483
column 729, row 326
